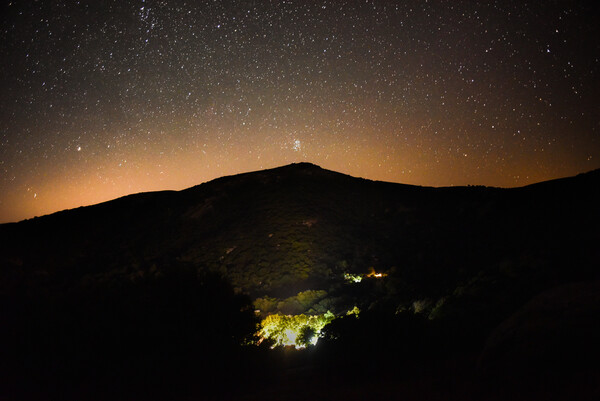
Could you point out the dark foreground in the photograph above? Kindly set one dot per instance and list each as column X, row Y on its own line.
column 488, row 294
column 545, row 350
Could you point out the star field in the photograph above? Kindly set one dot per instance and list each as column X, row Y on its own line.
column 105, row 98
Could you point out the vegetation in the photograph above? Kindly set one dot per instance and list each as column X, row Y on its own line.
column 160, row 290
column 294, row 330
column 165, row 327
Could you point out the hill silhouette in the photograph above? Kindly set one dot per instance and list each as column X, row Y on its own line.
column 455, row 263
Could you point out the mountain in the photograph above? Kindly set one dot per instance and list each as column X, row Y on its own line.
column 290, row 229
column 300, row 239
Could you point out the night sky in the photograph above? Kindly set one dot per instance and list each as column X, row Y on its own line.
column 101, row 99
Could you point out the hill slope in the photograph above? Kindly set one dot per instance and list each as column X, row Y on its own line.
column 126, row 297
column 278, row 232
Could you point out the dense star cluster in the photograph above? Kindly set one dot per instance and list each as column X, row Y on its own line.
column 105, row 98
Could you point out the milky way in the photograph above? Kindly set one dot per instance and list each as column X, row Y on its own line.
column 105, row 98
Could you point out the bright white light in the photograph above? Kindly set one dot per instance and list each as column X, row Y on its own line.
column 290, row 337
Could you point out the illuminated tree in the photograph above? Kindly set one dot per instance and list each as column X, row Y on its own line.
column 293, row 330
column 307, row 336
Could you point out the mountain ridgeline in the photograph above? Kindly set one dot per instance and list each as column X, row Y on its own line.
column 299, row 227
column 285, row 241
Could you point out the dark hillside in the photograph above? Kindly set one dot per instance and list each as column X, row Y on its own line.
column 278, row 232
column 454, row 264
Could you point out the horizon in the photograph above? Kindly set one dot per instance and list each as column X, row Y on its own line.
column 105, row 99
column 50, row 212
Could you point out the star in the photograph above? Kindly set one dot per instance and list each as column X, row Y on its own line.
column 191, row 91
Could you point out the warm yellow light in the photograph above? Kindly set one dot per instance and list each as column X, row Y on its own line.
column 285, row 330
column 373, row 273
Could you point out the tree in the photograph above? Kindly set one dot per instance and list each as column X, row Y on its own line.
column 306, row 337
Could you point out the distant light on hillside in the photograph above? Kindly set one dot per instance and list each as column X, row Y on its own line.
column 374, row 274
column 353, row 278
column 357, row 278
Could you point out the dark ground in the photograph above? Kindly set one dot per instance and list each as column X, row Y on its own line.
column 143, row 297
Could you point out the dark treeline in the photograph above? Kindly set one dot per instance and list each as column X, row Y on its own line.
column 175, row 332
column 180, row 334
